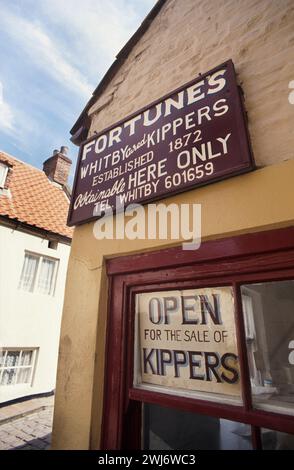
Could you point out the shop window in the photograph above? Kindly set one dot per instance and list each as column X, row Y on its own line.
column 205, row 349
column 17, row 366
column 268, row 310
column 186, row 344
column 172, row 429
column 276, row 440
column 38, row 274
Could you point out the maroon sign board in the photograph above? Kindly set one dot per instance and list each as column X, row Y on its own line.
column 194, row 136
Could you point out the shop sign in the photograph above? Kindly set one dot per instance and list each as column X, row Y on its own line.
column 186, row 340
column 194, row 136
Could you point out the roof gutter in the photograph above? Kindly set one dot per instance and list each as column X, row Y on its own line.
column 15, row 224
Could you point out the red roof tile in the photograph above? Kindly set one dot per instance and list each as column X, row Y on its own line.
column 33, row 199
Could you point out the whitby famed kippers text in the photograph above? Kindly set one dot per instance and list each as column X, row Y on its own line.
column 194, row 136
column 186, row 340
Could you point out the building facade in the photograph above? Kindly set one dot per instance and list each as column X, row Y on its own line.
column 34, row 251
column 245, row 261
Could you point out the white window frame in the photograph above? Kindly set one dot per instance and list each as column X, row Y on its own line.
column 37, row 273
column 3, row 179
column 32, row 366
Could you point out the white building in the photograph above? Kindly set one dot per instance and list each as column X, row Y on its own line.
column 34, row 250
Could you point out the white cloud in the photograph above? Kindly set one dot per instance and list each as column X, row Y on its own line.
column 95, row 29
column 65, row 47
column 74, row 42
column 44, row 53
column 6, row 114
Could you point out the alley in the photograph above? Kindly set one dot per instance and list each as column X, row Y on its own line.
column 30, row 432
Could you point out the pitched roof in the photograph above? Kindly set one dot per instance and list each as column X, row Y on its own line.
column 33, row 199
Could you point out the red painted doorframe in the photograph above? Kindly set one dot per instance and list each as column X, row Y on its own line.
column 256, row 257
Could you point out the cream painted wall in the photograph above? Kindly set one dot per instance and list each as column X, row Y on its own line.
column 30, row 319
column 186, row 38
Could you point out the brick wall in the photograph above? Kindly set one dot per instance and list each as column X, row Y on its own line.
column 189, row 37
column 57, row 168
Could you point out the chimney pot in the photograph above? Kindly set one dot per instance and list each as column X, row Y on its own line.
column 57, row 167
column 64, row 150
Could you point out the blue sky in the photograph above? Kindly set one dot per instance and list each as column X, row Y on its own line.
column 53, row 53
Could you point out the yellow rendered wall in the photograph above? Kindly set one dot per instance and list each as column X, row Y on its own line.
column 188, row 37
column 255, row 201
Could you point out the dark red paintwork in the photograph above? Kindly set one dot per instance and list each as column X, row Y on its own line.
column 257, row 257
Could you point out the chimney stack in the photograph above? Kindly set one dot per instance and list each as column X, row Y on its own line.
column 57, row 167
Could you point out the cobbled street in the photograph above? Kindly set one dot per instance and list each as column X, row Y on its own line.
column 32, row 432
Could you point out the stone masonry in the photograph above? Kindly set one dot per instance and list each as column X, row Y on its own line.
column 32, row 432
column 190, row 37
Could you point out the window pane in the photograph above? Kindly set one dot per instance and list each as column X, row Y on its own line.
column 12, row 358
column 26, row 358
column 45, row 282
column 171, row 429
column 268, row 310
column 2, row 357
column 8, row 377
column 28, row 273
column 276, row 440
column 24, row 375
column 185, row 344
column 17, row 366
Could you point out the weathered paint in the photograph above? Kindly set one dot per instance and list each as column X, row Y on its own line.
column 186, row 38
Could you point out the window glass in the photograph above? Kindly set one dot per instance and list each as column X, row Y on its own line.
column 185, row 344
column 171, row 429
column 38, row 274
column 26, row 358
column 45, row 281
column 268, row 310
column 276, row 440
column 16, row 366
column 2, row 357
column 24, row 375
column 8, row 377
column 12, row 358
column 28, row 273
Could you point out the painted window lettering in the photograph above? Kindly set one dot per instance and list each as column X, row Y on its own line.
column 217, row 368
column 186, row 340
column 160, row 310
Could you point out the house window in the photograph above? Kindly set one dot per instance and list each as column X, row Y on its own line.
column 17, row 366
column 38, row 274
column 29, row 271
column 3, row 174
column 46, row 276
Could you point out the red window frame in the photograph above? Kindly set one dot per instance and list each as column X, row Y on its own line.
column 256, row 257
